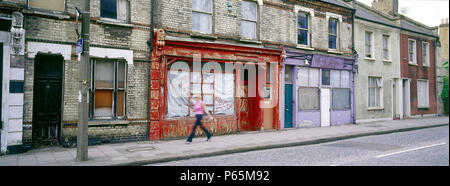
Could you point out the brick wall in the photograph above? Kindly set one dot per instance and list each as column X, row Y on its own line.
column 129, row 36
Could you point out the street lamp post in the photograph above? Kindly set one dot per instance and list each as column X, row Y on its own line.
column 82, row 133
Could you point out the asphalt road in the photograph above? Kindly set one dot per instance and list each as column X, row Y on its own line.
column 425, row 147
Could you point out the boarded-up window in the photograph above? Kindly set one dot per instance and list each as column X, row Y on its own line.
column 308, row 98
column 47, row 4
column 422, row 93
column 108, row 89
column 341, row 98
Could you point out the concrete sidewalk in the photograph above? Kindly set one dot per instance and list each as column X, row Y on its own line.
column 146, row 152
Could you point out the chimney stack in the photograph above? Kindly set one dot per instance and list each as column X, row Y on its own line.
column 386, row 6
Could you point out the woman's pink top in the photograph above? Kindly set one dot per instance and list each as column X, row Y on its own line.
column 198, row 108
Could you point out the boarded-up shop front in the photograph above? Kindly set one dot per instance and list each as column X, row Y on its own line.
column 235, row 83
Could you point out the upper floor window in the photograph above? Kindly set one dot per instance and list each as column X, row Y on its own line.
column 114, row 9
column 386, row 55
column 369, row 44
column 412, row 51
column 48, row 4
column 249, row 12
column 332, row 33
column 303, row 29
column 202, row 13
column 425, row 54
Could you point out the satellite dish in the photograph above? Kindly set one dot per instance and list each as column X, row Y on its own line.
column 404, row 10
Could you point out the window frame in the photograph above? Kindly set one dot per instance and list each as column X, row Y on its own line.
column 117, row 19
column 427, row 57
column 427, row 94
column 308, row 29
column 378, row 90
column 190, row 106
column 388, row 47
column 206, row 13
column 115, row 89
column 256, row 21
column 371, row 45
column 412, row 61
column 308, row 85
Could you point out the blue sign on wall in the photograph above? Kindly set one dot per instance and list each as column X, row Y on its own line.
column 79, row 48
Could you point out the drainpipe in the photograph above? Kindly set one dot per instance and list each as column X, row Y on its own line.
column 355, row 55
column 150, row 45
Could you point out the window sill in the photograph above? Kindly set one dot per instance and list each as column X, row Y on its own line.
column 114, row 22
column 303, row 47
column 335, row 51
column 107, row 122
column 375, row 108
column 250, row 41
column 203, row 36
column 369, row 58
column 50, row 13
column 387, row 61
column 413, row 64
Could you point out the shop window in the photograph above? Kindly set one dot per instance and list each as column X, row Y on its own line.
column 215, row 87
column 308, row 98
column 308, row 92
column 48, row 4
column 108, row 89
column 202, row 16
column 249, row 12
column 340, row 82
column 375, row 87
column 423, row 94
column 114, row 9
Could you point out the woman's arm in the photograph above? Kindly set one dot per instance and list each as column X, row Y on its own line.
column 207, row 111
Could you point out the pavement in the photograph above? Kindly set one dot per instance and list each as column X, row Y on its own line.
column 147, row 152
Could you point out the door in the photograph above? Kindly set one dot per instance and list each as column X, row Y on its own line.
column 47, row 99
column 325, row 107
column 288, row 106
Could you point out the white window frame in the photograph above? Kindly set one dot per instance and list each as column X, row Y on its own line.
column 259, row 4
column 338, row 29
column 380, row 88
column 426, row 58
column 372, row 45
column 210, row 14
column 427, row 94
column 412, row 61
column 310, row 13
column 388, row 49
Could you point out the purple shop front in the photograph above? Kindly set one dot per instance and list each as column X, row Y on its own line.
column 318, row 90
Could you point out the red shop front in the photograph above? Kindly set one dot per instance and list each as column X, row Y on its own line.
column 238, row 84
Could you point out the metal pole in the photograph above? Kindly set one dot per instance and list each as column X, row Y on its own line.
column 82, row 136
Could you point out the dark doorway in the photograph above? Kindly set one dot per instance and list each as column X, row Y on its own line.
column 47, row 98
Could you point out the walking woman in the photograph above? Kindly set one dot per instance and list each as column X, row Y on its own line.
column 199, row 109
